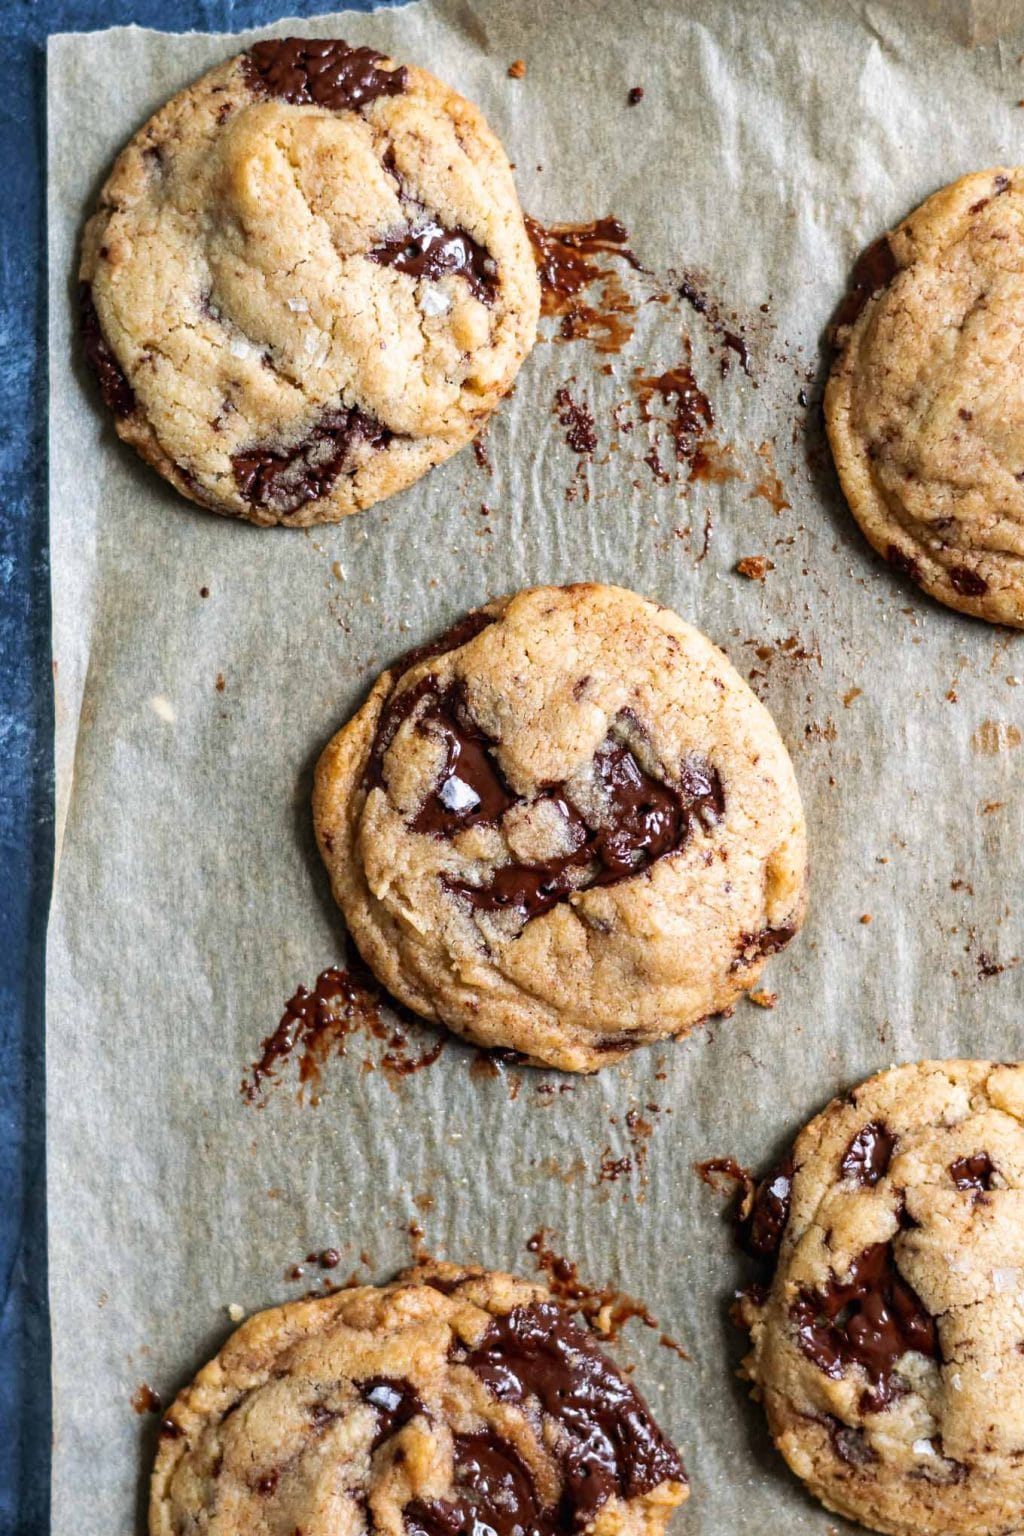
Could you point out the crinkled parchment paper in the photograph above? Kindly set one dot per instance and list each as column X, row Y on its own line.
column 772, row 142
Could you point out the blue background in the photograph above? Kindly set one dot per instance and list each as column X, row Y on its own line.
column 26, row 703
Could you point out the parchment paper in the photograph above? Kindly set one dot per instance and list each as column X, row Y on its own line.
column 771, row 143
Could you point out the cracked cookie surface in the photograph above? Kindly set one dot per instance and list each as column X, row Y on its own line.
column 568, row 828
column 889, row 1349
column 308, row 281
column 925, row 403
column 451, row 1400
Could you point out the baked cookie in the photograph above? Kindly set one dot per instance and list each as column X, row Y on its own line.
column 308, row 281
column 889, row 1350
column 451, row 1401
column 567, row 828
column 925, row 404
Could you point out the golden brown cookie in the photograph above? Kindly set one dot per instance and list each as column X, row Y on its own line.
column 889, row 1349
column 451, row 1401
column 308, row 281
column 925, row 403
column 567, row 828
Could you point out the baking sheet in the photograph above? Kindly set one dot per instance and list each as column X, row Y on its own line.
column 771, row 143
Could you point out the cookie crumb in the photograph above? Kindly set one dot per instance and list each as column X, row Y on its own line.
column 235, row 1312
column 850, row 695
column 764, row 999
column 755, row 567
column 517, row 69
column 865, row 917
column 204, row 591
column 220, row 684
column 636, row 95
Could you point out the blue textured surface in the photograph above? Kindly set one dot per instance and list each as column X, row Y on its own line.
column 26, row 732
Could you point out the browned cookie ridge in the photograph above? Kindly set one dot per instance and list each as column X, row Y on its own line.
column 449, row 1400
column 307, row 282
column 567, row 828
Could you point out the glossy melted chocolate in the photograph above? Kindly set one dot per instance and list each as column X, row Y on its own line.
column 770, row 1211
column 872, row 1320
column 324, row 72
column 869, row 1154
column 118, row 395
column 284, row 482
column 395, row 1404
column 609, row 1445
column 496, row 1494
column 431, row 251
column 973, row 1172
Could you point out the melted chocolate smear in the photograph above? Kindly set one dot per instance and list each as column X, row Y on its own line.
column 905, row 564
column 610, row 1445
column 317, row 1024
column 284, row 482
column 431, row 251
column 457, row 635
column 702, row 304
column 752, row 947
column 873, row 270
column 395, row 1404
column 872, row 1320
column 973, row 1172
column 495, row 1492
column 118, row 395
column 690, row 415
column 578, row 420
column 869, row 1154
column 769, row 1212
column 967, row 582
column 565, row 256
column 323, row 72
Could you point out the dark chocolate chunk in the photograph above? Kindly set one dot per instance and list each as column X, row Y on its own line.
column 117, row 393
column 395, row 1403
column 869, row 1154
column 285, row 481
column 751, row 947
column 973, row 1172
column 850, row 1444
column 905, row 564
column 321, row 71
column 967, row 582
column 874, row 269
column 770, row 1211
column 427, row 249
column 872, row 1320
column 609, row 1445
column 496, row 1493
column 471, row 788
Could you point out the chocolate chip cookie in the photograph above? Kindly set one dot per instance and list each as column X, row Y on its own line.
column 889, row 1349
column 308, row 281
column 451, row 1401
column 567, row 828
column 925, row 404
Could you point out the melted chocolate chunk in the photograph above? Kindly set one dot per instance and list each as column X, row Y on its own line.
column 973, row 1172
column 850, row 1444
column 471, row 788
column 644, row 819
column 869, row 1154
column 874, row 269
column 770, row 1211
column 967, row 582
column 458, row 635
column 610, row 1445
column 321, row 71
column 429, row 250
column 872, row 1320
column 118, row 395
column 496, row 1494
column 284, row 482
column 751, row 947
column 395, row 1403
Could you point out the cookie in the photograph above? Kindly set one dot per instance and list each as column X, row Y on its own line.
column 308, row 281
column 451, row 1401
column 889, row 1349
column 925, row 403
column 567, row 828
